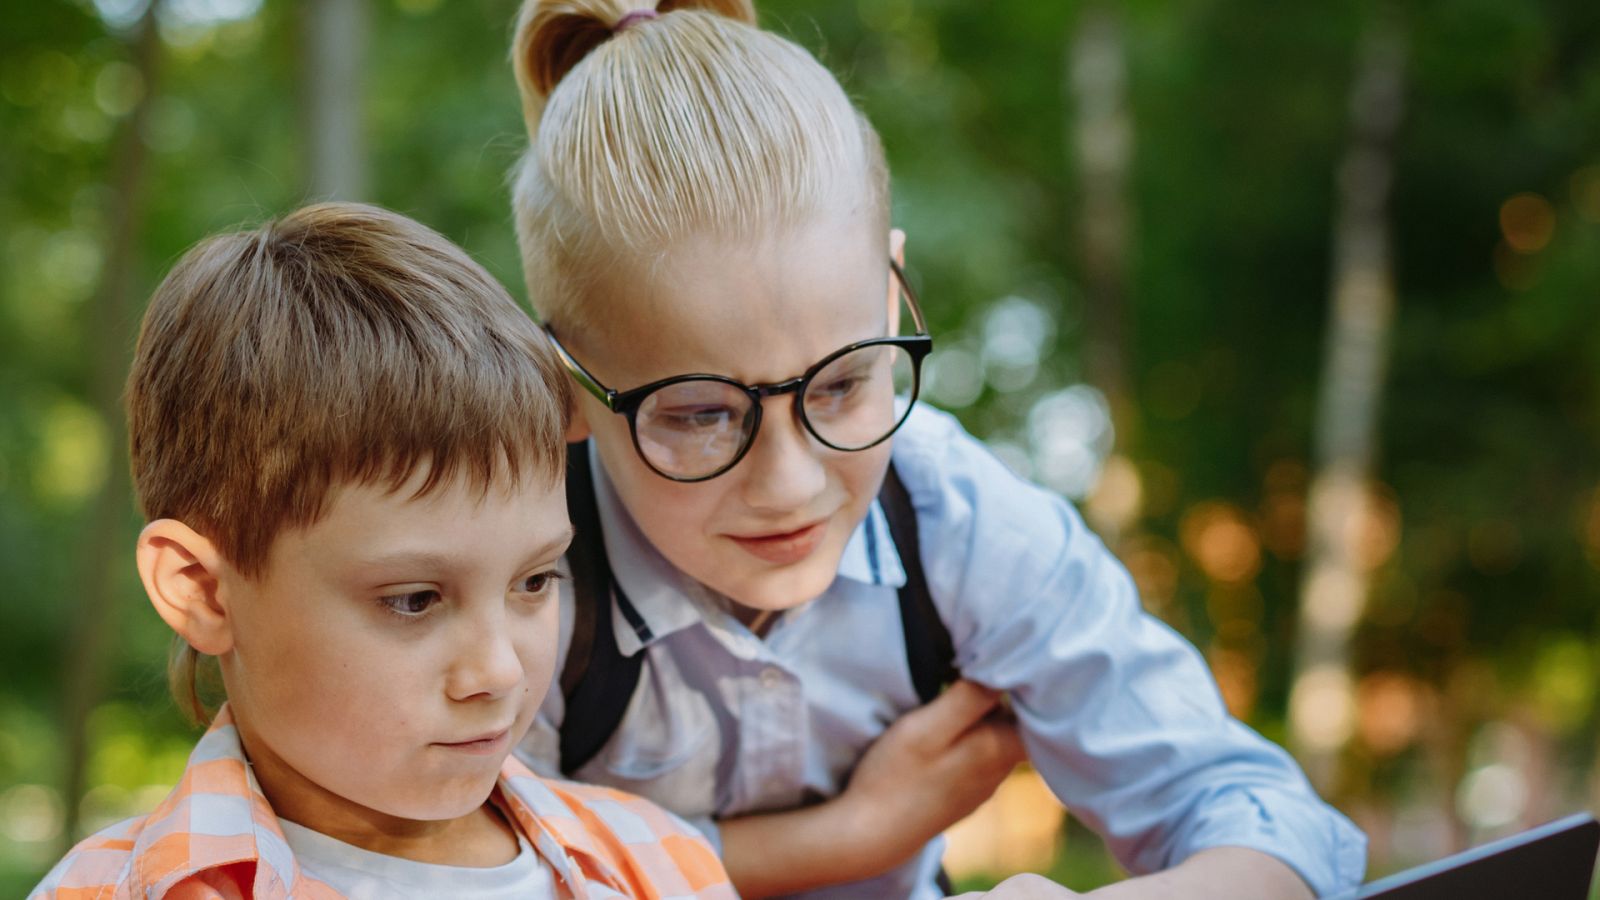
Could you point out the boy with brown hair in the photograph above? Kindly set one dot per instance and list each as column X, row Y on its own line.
column 347, row 440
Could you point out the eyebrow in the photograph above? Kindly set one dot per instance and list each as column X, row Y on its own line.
column 427, row 559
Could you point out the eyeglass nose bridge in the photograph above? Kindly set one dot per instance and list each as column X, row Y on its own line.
column 760, row 392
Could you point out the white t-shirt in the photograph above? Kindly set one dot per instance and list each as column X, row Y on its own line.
column 363, row 875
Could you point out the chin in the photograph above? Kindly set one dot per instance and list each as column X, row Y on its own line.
column 786, row 588
column 792, row 585
column 451, row 801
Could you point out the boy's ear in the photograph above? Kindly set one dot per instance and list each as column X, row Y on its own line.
column 181, row 573
column 897, row 250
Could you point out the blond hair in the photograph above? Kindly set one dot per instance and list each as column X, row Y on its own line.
column 342, row 343
column 693, row 122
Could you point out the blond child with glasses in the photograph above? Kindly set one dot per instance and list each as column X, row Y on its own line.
column 782, row 557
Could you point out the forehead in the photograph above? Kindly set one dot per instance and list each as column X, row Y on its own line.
column 457, row 518
column 759, row 309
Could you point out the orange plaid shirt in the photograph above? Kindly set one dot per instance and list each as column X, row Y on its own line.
column 215, row 838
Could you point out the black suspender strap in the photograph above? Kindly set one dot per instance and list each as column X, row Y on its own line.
column 929, row 650
column 597, row 681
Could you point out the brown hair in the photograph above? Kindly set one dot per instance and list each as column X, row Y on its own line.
column 692, row 122
column 341, row 343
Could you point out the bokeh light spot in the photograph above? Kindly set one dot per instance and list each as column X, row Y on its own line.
column 1322, row 707
column 1070, row 434
column 1219, row 539
column 1389, row 711
column 31, row 813
column 1527, row 221
column 1492, row 796
column 118, row 88
column 71, row 462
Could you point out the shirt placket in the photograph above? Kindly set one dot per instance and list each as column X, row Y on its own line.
column 770, row 767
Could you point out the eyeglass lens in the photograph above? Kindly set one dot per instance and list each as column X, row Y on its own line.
column 692, row 429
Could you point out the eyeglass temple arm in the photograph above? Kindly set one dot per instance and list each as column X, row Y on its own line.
column 589, row 382
column 911, row 297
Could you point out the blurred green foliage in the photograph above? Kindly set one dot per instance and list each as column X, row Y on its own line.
column 1484, row 603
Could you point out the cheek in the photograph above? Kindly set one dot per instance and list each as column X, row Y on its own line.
column 682, row 528
column 539, row 645
column 860, row 475
column 347, row 667
column 666, row 511
column 350, row 685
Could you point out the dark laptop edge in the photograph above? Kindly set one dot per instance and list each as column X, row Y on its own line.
column 1428, row 870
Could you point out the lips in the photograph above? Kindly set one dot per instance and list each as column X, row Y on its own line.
column 483, row 745
column 784, row 548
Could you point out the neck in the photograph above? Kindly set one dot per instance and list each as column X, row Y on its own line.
column 757, row 620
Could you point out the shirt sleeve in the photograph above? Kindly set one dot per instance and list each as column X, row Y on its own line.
column 1119, row 714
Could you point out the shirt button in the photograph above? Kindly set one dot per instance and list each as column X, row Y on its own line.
column 771, row 678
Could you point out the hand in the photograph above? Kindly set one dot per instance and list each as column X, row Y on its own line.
column 1022, row 887
column 931, row 768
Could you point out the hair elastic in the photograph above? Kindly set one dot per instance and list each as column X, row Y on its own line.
column 637, row 15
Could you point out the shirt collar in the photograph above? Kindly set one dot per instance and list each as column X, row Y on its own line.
column 657, row 589
column 557, row 831
column 870, row 556
column 218, row 799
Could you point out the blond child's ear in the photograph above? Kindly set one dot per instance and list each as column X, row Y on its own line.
column 577, row 422
column 181, row 573
column 897, row 250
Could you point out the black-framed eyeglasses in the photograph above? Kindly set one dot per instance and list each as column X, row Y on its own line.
column 696, row 427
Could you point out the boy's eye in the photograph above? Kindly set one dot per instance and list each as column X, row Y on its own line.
column 410, row 605
column 540, row 583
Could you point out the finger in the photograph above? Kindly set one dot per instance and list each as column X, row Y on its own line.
column 939, row 723
column 989, row 746
column 1005, row 742
column 1031, row 887
column 961, row 706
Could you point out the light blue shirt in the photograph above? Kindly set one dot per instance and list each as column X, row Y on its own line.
column 1119, row 714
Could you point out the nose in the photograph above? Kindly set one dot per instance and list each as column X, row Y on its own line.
column 784, row 468
column 487, row 664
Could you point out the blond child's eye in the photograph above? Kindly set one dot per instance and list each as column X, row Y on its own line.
column 411, row 604
column 698, row 418
column 541, row 583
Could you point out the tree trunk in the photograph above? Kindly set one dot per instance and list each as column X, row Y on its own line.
column 333, row 42
column 1102, row 133
column 111, row 329
column 1334, row 589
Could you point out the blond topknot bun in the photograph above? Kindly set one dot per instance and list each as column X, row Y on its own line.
column 553, row 36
